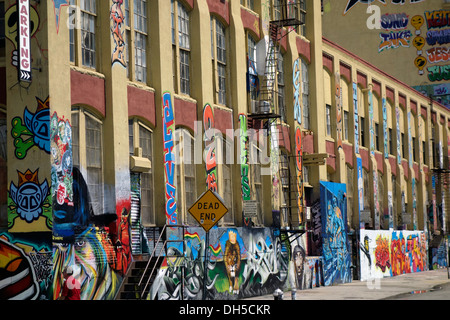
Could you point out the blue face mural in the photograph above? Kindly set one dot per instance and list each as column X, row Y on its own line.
column 29, row 195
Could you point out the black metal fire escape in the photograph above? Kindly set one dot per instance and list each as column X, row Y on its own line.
column 286, row 18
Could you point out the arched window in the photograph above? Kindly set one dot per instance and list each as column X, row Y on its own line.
column 185, row 182
column 181, row 48
column 87, row 150
column 219, row 59
column 141, row 137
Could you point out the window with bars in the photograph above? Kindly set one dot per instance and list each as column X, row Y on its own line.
column 141, row 136
column 87, row 150
column 181, row 47
column 219, row 60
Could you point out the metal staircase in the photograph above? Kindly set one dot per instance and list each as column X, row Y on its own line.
column 286, row 18
column 142, row 273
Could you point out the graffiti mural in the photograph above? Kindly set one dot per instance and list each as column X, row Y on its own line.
column 244, row 157
column 25, row 267
column 169, row 158
column 387, row 253
column 57, row 5
column 335, row 252
column 297, row 81
column 117, row 22
column 27, row 199
column 210, row 148
column 298, row 138
column 61, row 160
column 98, row 247
column 356, row 117
column 352, row 3
column 32, row 130
column 243, row 263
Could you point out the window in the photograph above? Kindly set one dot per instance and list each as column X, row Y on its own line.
column 185, row 183
column 328, row 119
column 136, row 34
column 219, row 60
column 391, row 145
column 3, row 172
column 346, row 114
column 377, row 137
column 284, row 175
column 250, row 4
column 181, row 47
column 85, row 36
column 305, row 94
column 141, row 136
column 414, row 149
column 252, row 73
column 225, row 178
column 404, row 145
column 88, row 16
column 424, row 152
column 362, row 130
column 87, row 148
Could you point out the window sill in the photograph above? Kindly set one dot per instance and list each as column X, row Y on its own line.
column 87, row 71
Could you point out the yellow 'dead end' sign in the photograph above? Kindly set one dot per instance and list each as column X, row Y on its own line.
column 208, row 210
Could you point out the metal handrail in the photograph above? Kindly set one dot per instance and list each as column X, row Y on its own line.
column 149, row 261
column 164, row 246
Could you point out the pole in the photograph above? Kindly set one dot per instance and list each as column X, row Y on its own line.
column 205, row 267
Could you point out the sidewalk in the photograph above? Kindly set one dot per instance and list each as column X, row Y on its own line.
column 377, row 289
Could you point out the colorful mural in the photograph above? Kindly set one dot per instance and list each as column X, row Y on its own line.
column 387, row 253
column 243, row 262
column 32, row 130
column 244, row 157
column 98, row 248
column 25, row 266
column 117, row 22
column 169, row 158
column 356, row 117
column 335, row 250
column 297, row 80
column 210, row 148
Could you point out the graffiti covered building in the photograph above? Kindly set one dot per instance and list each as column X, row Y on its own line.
column 112, row 125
